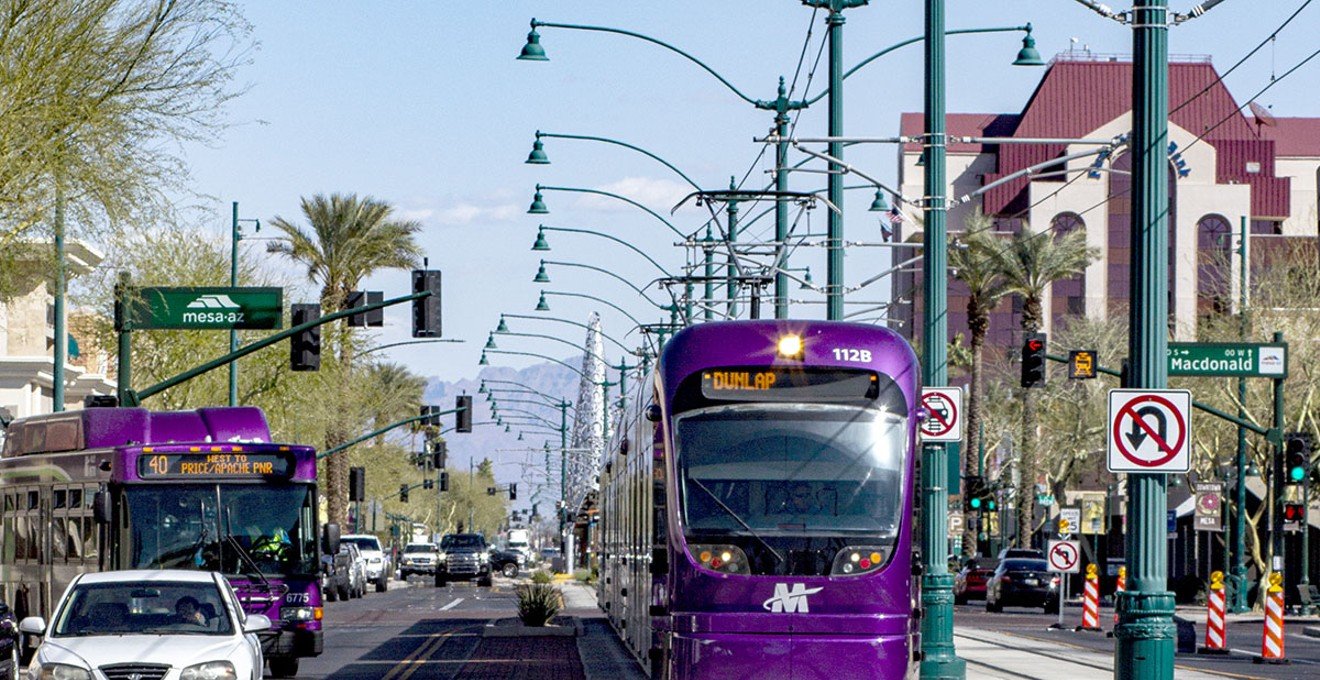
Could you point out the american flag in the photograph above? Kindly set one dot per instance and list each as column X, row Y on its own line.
column 895, row 218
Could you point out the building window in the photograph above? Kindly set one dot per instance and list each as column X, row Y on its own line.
column 1214, row 265
column 1068, row 296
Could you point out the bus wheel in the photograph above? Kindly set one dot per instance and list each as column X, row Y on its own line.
column 284, row 668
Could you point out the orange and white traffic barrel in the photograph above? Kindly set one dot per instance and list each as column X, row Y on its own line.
column 1119, row 586
column 1271, row 646
column 1216, row 639
column 1091, row 600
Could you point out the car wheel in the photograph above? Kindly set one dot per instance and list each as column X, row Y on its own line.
column 960, row 599
column 382, row 584
column 483, row 581
column 343, row 592
column 510, row 570
column 284, row 668
column 330, row 595
column 993, row 607
column 440, row 581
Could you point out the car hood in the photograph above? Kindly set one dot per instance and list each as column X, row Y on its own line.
column 174, row 650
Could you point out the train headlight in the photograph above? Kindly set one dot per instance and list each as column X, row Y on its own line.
column 790, row 346
column 728, row 559
column 857, row 559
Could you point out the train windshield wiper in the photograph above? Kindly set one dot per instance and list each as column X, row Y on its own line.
column 736, row 517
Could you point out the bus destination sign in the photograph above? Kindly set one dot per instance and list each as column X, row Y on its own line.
column 214, row 465
column 788, row 384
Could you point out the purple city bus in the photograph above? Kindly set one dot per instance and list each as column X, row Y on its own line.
column 756, row 505
column 127, row 488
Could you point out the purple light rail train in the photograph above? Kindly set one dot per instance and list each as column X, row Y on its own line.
column 756, row 505
column 126, row 488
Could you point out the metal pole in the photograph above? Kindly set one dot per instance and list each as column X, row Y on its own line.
column 709, row 293
column 234, row 237
column 781, row 209
column 563, row 486
column 834, row 185
column 730, row 280
column 61, row 287
column 123, row 326
column 1145, row 632
column 939, row 659
column 1239, row 564
column 1276, row 505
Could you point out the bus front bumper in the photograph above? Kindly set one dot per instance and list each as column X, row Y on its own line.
column 291, row 643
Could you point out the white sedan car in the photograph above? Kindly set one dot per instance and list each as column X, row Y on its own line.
column 148, row 625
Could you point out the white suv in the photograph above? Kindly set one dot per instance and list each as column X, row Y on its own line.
column 377, row 563
column 419, row 558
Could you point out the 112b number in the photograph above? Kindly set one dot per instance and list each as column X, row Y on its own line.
column 850, row 354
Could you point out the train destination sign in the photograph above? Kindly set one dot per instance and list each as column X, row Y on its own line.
column 206, row 308
column 1228, row 359
column 788, row 384
column 214, row 465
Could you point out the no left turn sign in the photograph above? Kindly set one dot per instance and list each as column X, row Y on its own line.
column 1150, row 430
column 943, row 421
column 1064, row 557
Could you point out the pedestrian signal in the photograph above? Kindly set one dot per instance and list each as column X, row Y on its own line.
column 1033, row 360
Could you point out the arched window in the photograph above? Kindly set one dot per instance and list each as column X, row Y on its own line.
column 1214, row 265
column 1068, row 295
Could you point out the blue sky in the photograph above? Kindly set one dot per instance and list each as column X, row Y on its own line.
column 422, row 104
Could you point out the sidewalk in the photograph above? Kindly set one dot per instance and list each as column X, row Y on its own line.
column 999, row 656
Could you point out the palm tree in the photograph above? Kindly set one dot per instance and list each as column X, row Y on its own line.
column 1030, row 263
column 975, row 264
column 349, row 239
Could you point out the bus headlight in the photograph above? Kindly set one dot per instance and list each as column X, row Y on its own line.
column 301, row 614
column 857, row 559
column 790, row 346
column 729, row 559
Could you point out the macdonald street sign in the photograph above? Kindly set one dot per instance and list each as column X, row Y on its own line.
column 1228, row 359
column 205, row 307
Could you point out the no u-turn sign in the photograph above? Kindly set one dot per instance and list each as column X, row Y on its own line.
column 1150, row 430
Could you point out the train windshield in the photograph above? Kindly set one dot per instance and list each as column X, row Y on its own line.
column 236, row 529
column 791, row 485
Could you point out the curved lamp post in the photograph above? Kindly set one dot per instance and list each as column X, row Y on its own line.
column 781, row 105
column 538, row 156
column 539, row 207
column 544, row 277
column 504, row 327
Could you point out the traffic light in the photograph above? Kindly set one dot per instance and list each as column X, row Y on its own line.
column 444, row 481
column 359, row 298
column 357, row 484
column 305, row 347
column 432, row 414
column 513, row 492
column 428, row 483
column 403, row 492
column 463, row 420
column 1296, row 457
column 1033, row 360
column 426, row 311
column 490, row 491
column 439, row 453
column 973, row 489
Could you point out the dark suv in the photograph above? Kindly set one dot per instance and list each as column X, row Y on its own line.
column 463, row 557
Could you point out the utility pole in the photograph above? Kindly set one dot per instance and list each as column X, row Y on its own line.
column 61, row 315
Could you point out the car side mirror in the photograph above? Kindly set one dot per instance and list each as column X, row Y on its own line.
column 101, row 507
column 256, row 623
column 330, row 537
column 32, row 625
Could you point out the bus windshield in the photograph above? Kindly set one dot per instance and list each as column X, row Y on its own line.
column 791, row 484
column 222, row 527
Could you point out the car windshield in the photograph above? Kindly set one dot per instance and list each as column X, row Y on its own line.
column 363, row 542
column 153, row 608
column 224, row 527
column 462, row 541
column 1025, row 565
column 791, row 483
column 419, row 548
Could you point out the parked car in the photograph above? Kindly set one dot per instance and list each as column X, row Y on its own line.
column 419, row 558
column 9, row 649
column 970, row 581
column 1022, row 582
column 336, row 576
column 463, row 557
column 148, row 624
column 1029, row 553
column 378, row 565
column 507, row 562
column 357, row 570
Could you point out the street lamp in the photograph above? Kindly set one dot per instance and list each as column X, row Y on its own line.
column 539, row 208
column 543, row 277
column 538, row 157
column 503, row 327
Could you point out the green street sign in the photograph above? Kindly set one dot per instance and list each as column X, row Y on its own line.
column 206, row 307
column 1229, row 359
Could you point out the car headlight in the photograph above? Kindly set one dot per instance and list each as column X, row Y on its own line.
column 211, row 670
column 60, row 671
column 376, row 560
column 301, row 614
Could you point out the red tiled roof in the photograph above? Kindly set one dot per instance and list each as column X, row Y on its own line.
column 1292, row 137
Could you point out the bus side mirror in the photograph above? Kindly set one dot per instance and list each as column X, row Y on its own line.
column 101, row 507
column 653, row 412
column 330, row 538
